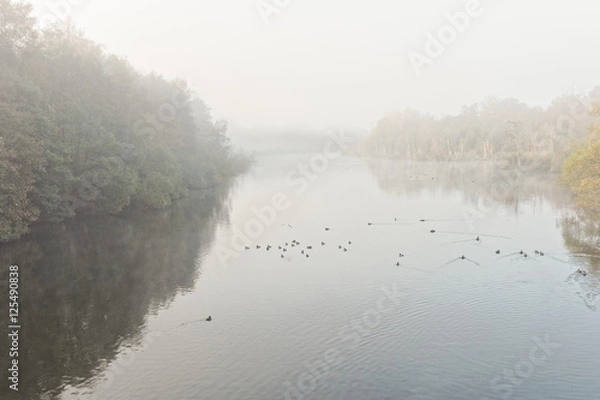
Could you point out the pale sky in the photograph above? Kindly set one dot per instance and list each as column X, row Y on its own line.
column 344, row 64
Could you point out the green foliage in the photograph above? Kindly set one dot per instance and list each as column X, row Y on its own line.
column 16, row 210
column 82, row 132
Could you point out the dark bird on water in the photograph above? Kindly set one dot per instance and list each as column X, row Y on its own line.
column 497, row 251
column 257, row 246
column 326, row 229
column 302, row 252
column 309, row 247
column 368, row 223
column 397, row 264
column 209, row 318
column 477, row 238
column 340, row 247
column 345, row 249
column 400, row 255
column 247, row 248
column 432, row 231
column 461, row 258
column 322, row 243
column 422, row 220
column 349, row 242
column 306, row 255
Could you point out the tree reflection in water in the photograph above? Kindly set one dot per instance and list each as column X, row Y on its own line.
column 581, row 233
column 87, row 286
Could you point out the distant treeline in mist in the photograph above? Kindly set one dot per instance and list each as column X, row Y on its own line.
column 82, row 132
column 506, row 130
column 565, row 137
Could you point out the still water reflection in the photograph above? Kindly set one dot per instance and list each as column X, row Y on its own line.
column 87, row 288
column 115, row 308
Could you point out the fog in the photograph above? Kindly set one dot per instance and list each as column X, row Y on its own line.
column 310, row 64
column 300, row 199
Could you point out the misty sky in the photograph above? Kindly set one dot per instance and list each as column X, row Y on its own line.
column 335, row 63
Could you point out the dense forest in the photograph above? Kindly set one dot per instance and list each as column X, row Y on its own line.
column 82, row 132
column 495, row 129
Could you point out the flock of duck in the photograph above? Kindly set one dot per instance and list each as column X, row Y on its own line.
column 305, row 250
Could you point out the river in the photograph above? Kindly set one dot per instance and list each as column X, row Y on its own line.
column 381, row 306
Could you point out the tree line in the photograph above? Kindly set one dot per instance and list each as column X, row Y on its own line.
column 83, row 132
column 495, row 129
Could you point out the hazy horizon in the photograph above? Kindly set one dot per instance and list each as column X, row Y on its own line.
column 348, row 200
column 318, row 66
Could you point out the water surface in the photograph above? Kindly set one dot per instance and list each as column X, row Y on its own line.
column 114, row 308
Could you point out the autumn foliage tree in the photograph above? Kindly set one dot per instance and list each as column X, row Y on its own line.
column 581, row 171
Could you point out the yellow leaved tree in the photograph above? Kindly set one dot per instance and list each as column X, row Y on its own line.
column 581, row 170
